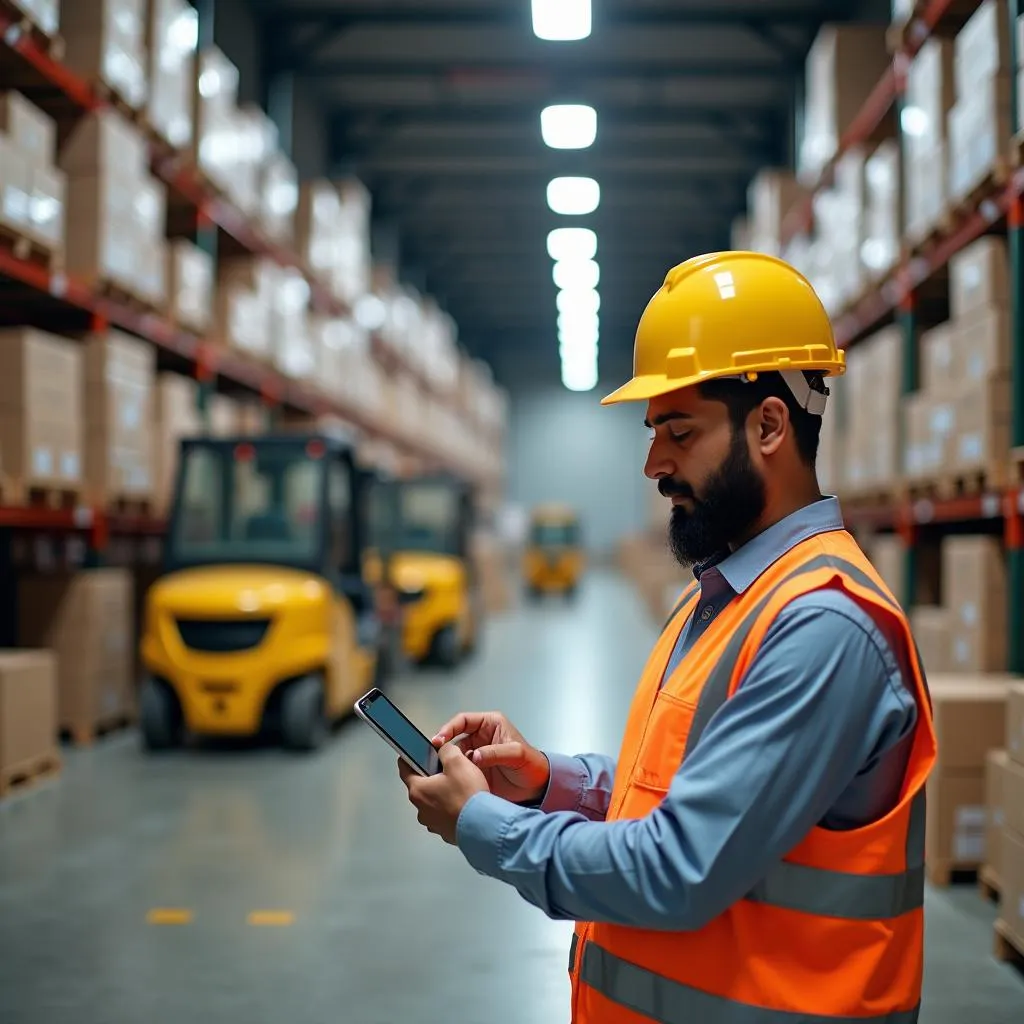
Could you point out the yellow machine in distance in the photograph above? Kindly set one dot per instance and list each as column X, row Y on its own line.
column 553, row 560
column 263, row 620
column 422, row 530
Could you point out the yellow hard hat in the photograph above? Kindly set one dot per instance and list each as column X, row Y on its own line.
column 732, row 314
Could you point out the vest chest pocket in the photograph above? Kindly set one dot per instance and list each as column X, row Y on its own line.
column 664, row 742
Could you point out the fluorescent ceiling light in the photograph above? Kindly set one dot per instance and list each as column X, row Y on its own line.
column 568, row 126
column 580, row 377
column 576, row 275
column 574, row 302
column 573, row 354
column 573, row 197
column 575, row 321
column 561, row 20
column 572, row 244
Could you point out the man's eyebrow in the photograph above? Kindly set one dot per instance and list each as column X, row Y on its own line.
column 666, row 417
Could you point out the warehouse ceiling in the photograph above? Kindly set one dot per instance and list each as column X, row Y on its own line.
column 435, row 105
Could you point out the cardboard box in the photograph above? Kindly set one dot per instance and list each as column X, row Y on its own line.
column 119, row 379
column 981, row 345
column 1015, row 723
column 101, row 141
column 956, row 819
column 1012, row 795
column 995, row 770
column 930, row 625
column 86, row 620
column 938, row 359
column 883, row 211
column 102, row 244
column 982, row 47
column 926, row 191
column 175, row 415
column 979, row 277
column 1011, row 903
column 982, row 425
column 15, row 188
column 171, row 37
column 280, row 198
column 190, row 276
column 47, row 207
column 44, row 14
column 887, row 553
column 931, row 93
column 105, row 40
column 217, row 137
column 31, row 131
column 772, row 193
column 969, row 712
column 41, row 418
column 974, row 589
column 979, row 127
column 28, row 708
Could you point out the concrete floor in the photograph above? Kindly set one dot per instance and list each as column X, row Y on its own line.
column 382, row 923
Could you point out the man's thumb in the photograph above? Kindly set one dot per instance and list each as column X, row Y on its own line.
column 495, row 755
column 448, row 753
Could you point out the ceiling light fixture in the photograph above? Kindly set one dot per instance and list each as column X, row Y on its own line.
column 576, row 275
column 573, row 197
column 575, row 302
column 572, row 244
column 568, row 126
column 561, row 20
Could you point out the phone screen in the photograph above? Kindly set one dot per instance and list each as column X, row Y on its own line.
column 408, row 738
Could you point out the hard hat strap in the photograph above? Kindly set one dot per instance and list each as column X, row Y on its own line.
column 807, row 398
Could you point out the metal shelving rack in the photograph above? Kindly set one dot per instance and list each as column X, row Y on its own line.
column 897, row 298
column 68, row 97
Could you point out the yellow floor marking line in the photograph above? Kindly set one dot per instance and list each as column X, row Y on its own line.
column 168, row 915
column 271, row 918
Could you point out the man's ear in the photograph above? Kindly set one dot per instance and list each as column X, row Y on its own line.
column 773, row 425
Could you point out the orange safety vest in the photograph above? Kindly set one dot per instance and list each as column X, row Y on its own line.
column 834, row 932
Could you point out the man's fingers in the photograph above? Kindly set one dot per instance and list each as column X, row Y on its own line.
column 494, row 755
column 468, row 721
column 405, row 772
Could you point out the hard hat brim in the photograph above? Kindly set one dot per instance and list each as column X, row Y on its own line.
column 641, row 389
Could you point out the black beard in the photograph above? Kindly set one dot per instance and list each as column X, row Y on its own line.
column 733, row 500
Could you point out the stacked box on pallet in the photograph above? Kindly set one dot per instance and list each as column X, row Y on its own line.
column 772, row 193
column 350, row 279
column 175, row 415
column 279, row 198
column 980, row 123
column 1011, row 795
column 33, row 190
column 883, row 211
column 172, row 31
column 974, row 589
column 120, row 372
column 41, row 417
column 289, row 324
column 105, row 42
column 28, row 715
column 317, row 218
column 217, row 137
column 844, row 65
column 887, row 553
column 117, row 212
column 739, row 234
column 996, row 767
column 871, row 403
column 86, row 619
column 243, row 305
column 848, row 226
column 970, row 714
column 928, row 100
column 190, row 275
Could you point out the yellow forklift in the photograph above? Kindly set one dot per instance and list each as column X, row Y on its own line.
column 263, row 621
column 422, row 531
column 553, row 560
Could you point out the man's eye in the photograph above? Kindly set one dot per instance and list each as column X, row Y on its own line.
column 679, row 438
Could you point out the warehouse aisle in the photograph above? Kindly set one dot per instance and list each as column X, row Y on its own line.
column 360, row 916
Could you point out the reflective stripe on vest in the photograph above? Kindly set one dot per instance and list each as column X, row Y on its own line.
column 687, row 594
column 669, row 1002
column 816, row 891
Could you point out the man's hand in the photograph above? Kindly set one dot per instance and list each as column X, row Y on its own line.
column 513, row 769
column 440, row 798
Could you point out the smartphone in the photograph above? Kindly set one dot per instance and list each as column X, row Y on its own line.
column 398, row 732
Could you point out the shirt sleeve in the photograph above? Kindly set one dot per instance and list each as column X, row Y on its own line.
column 582, row 783
column 814, row 708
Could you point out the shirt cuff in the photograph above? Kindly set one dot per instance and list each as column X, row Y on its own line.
column 482, row 826
column 567, row 782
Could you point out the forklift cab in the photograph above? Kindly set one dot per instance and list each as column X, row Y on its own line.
column 262, row 619
column 553, row 561
column 426, row 524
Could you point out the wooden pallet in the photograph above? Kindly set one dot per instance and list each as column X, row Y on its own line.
column 1006, row 946
column 991, row 182
column 967, row 484
column 52, row 45
column 82, row 735
column 942, row 874
column 142, row 508
column 989, row 884
column 29, row 773
column 119, row 294
column 16, row 493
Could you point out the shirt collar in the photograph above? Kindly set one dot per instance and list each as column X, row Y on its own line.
column 741, row 567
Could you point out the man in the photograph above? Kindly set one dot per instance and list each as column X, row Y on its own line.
column 755, row 854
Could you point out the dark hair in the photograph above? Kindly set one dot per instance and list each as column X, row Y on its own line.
column 742, row 397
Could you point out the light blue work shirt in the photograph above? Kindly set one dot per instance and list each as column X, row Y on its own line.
column 818, row 733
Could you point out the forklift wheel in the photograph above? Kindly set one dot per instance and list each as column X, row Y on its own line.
column 303, row 724
column 159, row 716
column 446, row 647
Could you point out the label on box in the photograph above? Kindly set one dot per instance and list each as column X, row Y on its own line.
column 969, row 834
column 17, row 205
column 69, row 465
column 42, row 462
column 969, row 614
column 961, row 650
